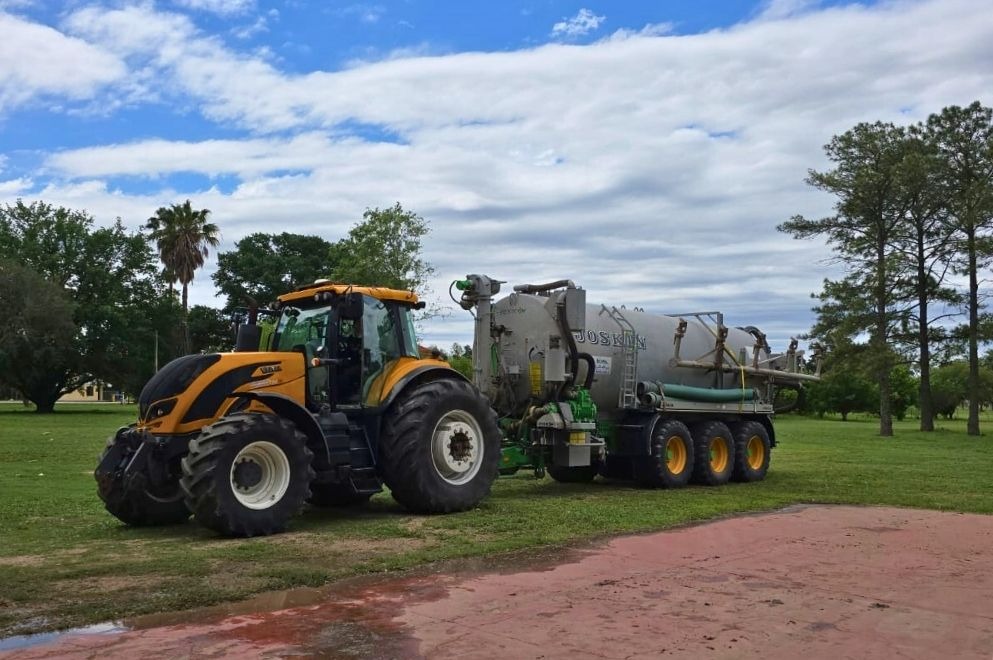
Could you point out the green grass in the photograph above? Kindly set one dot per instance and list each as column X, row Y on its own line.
column 64, row 561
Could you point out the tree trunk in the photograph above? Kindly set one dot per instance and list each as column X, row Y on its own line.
column 186, row 324
column 972, row 427
column 924, row 395
column 44, row 404
column 878, row 342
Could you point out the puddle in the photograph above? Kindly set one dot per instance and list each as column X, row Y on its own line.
column 27, row 641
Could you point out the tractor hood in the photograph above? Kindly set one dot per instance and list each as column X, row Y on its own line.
column 194, row 390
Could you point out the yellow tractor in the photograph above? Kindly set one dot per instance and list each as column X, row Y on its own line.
column 337, row 403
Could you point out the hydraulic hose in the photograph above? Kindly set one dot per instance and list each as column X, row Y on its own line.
column 540, row 288
column 571, row 343
column 590, row 369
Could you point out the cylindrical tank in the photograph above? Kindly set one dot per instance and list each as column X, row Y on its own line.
column 528, row 330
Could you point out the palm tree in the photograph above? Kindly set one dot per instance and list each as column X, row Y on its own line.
column 182, row 236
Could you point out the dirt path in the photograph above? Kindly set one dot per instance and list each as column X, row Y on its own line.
column 808, row 582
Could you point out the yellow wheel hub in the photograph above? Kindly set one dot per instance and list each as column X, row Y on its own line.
column 719, row 454
column 675, row 455
column 755, row 452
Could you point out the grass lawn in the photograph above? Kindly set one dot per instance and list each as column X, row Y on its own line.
column 64, row 561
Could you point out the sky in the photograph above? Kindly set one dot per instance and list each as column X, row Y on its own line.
column 645, row 150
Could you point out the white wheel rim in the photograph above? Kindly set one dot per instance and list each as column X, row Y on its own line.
column 457, row 447
column 260, row 475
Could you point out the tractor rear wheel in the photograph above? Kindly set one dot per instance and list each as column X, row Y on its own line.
column 247, row 474
column 671, row 461
column 440, row 447
column 134, row 499
column 751, row 452
column 714, row 448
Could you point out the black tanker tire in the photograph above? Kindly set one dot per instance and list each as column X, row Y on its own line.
column 134, row 504
column 405, row 447
column 703, row 434
column 653, row 471
column 743, row 433
column 332, row 495
column 207, row 474
column 573, row 475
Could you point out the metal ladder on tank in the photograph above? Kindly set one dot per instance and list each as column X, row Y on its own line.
column 628, row 396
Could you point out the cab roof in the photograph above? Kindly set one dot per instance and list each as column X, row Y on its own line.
column 308, row 291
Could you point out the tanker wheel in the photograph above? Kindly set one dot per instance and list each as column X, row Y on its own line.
column 752, row 451
column 439, row 449
column 247, row 474
column 331, row 495
column 714, row 449
column 670, row 464
column 573, row 475
column 134, row 500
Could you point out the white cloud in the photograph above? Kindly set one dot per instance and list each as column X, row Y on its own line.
column 15, row 187
column 36, row 60
column 220, row 7
column 777, row 9
column 650, row 169
column 581, row 24
column 365, row 13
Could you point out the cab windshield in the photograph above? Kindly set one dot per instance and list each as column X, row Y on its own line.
column 300, row 327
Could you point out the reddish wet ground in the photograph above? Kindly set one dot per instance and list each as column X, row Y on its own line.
column 811, row 582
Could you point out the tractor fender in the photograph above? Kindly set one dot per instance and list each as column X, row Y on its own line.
column 285, row 406
column 420, row 374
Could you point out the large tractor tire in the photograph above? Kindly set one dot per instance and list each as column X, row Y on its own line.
column 752, row 451
column 440, row 447
column 247, row 474
column 670, row 464
column 714, row 448
column 134, row 499
column 336, row 495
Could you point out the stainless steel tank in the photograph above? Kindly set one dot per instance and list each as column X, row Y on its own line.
column 529, row 350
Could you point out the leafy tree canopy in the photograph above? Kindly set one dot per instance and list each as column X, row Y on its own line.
column 262, row 266
column 384, row 250
column 110, row 277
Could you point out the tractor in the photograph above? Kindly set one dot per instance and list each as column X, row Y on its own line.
column 331, row 405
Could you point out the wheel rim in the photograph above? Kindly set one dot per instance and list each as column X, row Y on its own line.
column 457, row 447
column 260, row 475
column 675, row 455
column 755, row 452
column 718, row 454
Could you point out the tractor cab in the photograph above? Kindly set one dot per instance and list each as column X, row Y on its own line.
column 351, row 341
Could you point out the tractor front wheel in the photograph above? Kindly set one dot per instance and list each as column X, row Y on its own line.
column 440, row 447
column 133, row 498
column 247, row 474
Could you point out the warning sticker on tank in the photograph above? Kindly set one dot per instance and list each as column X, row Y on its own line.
column 602, row 365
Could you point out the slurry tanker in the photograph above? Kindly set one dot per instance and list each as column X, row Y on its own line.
column 585, row 389
column 336, row 401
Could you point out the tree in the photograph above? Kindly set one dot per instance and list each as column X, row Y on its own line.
column 964, row 139
column 922, row 241
column 843, row 391
column 210, row 330
column 868, row 212
column 263, row 266
column 384, row 250
column 183, row 236
column 37, row 333
column 951, row 387
column 111, row 279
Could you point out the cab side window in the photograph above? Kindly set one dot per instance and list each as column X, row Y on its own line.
column 380, row 338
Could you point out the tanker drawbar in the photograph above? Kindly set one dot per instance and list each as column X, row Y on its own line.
column 583, row 389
